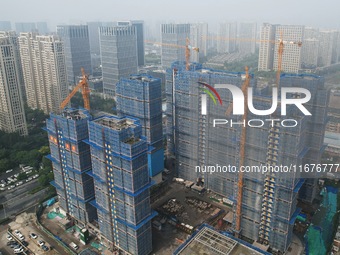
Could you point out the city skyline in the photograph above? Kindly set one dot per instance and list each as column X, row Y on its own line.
column 211, row 12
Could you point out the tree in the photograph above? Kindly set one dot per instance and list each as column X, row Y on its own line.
column 46, row 163
column 96, row 103
column 44, row 150
column 5, row 164
column 43, row 180
column 22, row 176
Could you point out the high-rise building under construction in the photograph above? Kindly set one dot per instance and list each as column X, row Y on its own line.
column 140, row 96
column 269, row 200
column 71, row 161
column 101, row 176
column 122, row 183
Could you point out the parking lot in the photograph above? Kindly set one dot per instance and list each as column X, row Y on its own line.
column 59, row 225
column 14, row 178
column 23, row 227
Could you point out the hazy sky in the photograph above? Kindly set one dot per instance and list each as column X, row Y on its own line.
column 319, row 13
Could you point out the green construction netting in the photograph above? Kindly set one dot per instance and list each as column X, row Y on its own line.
column 52, row 215
column 98, row 246
column 319, row 233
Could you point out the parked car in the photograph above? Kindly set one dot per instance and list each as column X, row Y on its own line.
column 17, row 232
column 21, row 237
column 24, row 243
column 9, row 237
column 8, row 171
column 41, row 243
column 19, row 183
column 45, row 248
column 18, row 250
column 34, row 236
column 12, row 243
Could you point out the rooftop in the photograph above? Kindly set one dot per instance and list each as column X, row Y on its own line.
column 75, row 114
column 116, row 123
column 209, row 241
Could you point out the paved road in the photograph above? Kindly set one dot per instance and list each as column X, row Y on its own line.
column 20, row 203
column 7, row 195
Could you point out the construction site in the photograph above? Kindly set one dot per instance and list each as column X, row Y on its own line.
column 255, row 212
column 258, row 198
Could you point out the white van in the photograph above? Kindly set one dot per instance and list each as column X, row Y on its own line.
column 74, row 246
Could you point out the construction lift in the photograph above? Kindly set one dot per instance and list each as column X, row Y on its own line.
column 85, row 90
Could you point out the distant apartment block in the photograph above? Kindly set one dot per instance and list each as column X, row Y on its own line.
column 309, row 53
column 173, row 42
column 44, row 71
column 291, row 58
column 247, row 38
column 5, row 26
column 199, row 38
column 266, row 50
column 14, row 40
column 12, row 114
column 139, row 27
column 118, row 47
column 21, row 27
column 226, row 39
column 292, row 54
column 77, row 50
column 42, row 28
column 311, row 33
column 93, row 28
column 94, row 44
column 328, row 48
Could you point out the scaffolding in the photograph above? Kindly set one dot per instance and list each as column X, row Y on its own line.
column 268, row 200
column 140, row 96
column 70, row 158
column 206, row 240
column 119, row 158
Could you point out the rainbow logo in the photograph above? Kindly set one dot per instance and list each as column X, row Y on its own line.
column 211, row 88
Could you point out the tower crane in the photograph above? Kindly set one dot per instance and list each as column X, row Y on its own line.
column 187, row 48
column 280, row 54
column 85, row 90
column 244, row 89
column 281, row 43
